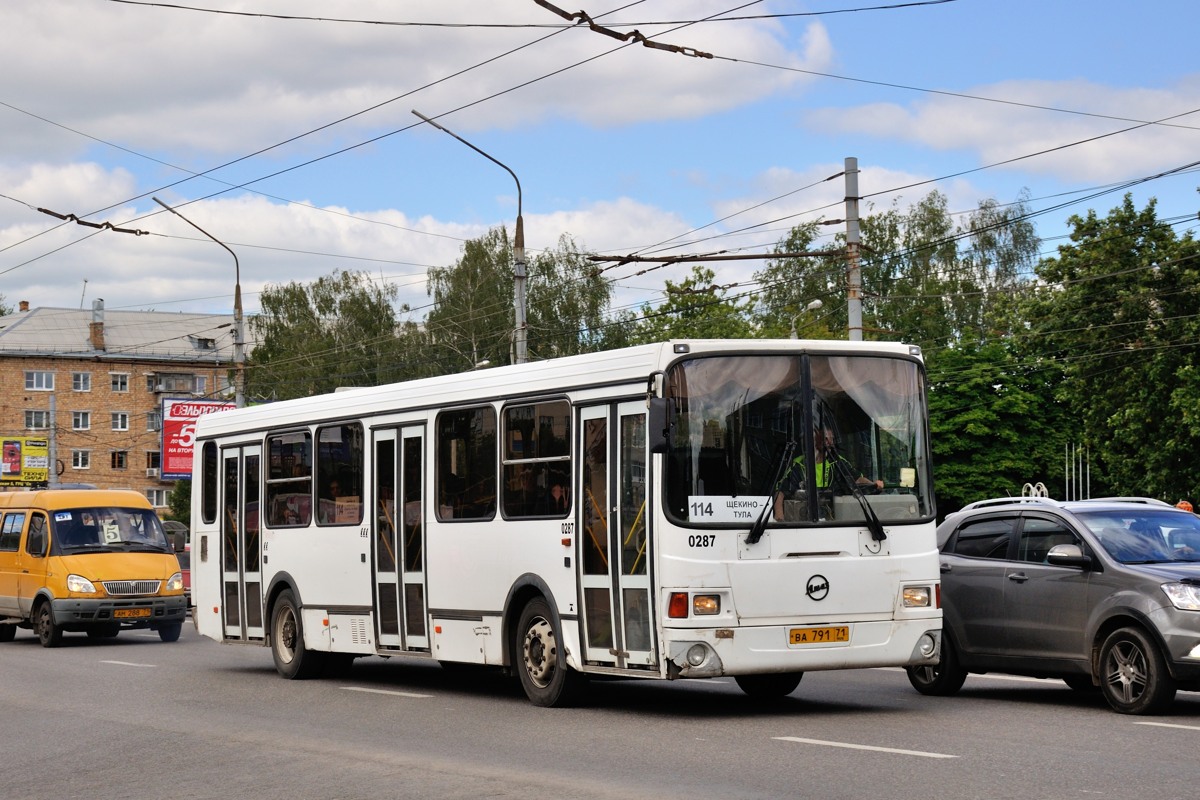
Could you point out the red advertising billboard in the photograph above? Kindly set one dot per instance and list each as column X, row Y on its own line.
column 179, row 433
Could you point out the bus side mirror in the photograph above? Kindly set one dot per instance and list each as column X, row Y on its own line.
column 658, row 424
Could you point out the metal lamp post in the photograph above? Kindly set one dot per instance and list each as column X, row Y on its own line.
column 520, row 336
column 239, row 338
column 813, row 305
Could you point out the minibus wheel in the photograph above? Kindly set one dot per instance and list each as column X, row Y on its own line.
column 49, row 634
column 170, row 631
column 769, row 686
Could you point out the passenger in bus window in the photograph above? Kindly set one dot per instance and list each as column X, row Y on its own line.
column 555, row 501
column 329, row 498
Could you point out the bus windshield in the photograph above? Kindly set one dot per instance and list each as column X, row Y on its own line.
column 813, row 437
column 108, row 529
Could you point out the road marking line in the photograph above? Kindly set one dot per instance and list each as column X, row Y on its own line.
column 128, row 664
column 990, row 676
column 1169, row 725
column 384, row 691
column 862, row 747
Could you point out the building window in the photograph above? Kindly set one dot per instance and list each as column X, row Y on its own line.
column 81, row 459
column 120, row 459
column 157, row 497
column 37, row 420
column 120, row 381
column 120, row 421
column 81, row 381
column 175, row 382
column 200, row 384
column 38, row 381
column 154, row 420
column 81, row 420
column 153, row 459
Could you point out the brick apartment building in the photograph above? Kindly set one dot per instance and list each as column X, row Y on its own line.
column 91, row 383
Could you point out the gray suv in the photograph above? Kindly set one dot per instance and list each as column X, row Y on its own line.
column 1099, row 593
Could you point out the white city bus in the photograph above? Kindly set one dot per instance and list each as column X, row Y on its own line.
column 645, row 512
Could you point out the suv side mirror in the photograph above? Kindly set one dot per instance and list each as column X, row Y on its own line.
column 1068, row 555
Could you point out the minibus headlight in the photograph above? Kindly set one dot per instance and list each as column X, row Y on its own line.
column 915, row 597
column 175, row 582
column 78, row 583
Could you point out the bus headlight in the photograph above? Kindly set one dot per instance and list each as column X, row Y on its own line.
column 915, row 596
column 696, row 654
column 706, row 605
column 78, row 583
column 175, row 582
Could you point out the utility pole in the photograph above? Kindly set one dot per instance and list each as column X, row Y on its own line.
column 854, row 326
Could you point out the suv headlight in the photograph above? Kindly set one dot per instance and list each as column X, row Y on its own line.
column 1183, row 596
column 78, row 583
column 175, row 582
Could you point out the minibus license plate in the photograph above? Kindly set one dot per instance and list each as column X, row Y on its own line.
column 827, row 635
column 130, row 613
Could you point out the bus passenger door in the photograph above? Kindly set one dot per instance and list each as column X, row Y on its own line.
column 241, row 543
column 614, row 544
column 399, row 539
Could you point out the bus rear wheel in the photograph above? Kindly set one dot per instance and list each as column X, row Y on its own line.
column 541, row 662
column 292, row 661
column 772, row 685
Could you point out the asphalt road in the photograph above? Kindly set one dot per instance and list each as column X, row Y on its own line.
column 136, row 718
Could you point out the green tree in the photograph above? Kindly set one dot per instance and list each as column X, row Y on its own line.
column 473, row 317
column 993, row 423
column 180, row 502
column 312, row 338
column 1119, row 312
column 696, row 308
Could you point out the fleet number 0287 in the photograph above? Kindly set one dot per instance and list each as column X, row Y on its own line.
column 701, row 540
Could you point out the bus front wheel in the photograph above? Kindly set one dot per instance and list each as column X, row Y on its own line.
column 541, row 662
column 292, row 661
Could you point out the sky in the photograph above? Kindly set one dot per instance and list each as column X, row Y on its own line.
column 286, row 131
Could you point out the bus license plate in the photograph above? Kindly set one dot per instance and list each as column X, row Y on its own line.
column 828, row 635
column 131, row 613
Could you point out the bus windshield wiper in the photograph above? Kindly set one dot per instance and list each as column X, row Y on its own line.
column 843, row 468
column 760, row 524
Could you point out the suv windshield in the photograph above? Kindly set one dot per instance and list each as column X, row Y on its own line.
column 1144, row 537
column 798, row 434
column 107, row 528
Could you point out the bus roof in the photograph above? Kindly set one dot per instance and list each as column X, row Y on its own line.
column 631, row 366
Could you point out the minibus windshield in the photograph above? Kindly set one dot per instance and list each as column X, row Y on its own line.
column 101, row 529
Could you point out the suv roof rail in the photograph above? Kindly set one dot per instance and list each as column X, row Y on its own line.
column 1150, row 501
column 1005, row 501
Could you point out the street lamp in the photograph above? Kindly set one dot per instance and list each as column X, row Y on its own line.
column 239, row 337
column 519, row 337
column 812, row 306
